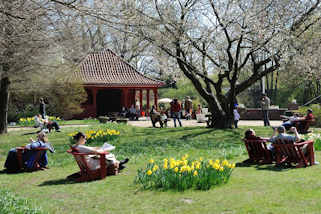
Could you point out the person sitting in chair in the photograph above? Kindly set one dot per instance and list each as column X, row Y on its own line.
column 28, row 155
column 300, row 120
column 113, row 165
column 46, row 124
column 250, row 135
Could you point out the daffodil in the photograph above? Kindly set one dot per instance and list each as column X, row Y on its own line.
column 195, row 173
column 155, row 168
column 151, row 161
column 176, row 169
column 149, row 172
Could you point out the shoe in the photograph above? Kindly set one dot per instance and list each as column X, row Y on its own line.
column 123, row 161
column 316, row 163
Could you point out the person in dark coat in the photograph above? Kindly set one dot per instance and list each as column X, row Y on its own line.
column 42, row 108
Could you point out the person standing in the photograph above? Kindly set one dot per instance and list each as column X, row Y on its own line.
column 176, row 112
column 42, row 108
column 265, row 105
column 236, row 116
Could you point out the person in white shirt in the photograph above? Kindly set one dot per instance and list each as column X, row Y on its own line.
column 93, row 162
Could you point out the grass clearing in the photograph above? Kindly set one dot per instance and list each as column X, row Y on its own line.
column 256, row 189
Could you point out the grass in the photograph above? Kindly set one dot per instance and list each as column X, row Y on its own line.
column 256, row 189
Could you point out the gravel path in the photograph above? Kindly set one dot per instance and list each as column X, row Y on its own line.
column 31, row 128
column 148, row 123
column 191, row 123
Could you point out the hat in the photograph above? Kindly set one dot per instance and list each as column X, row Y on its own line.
column 309, row 110
column 281, row 129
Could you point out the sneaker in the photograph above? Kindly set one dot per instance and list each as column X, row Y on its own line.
column 316, row 163
column 123, row 161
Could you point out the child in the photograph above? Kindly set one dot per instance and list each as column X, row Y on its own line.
column 236, row 116
column 163, row 117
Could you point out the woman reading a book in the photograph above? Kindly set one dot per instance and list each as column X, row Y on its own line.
column 93, row 160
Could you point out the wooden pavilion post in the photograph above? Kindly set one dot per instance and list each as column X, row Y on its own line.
column 147, row 102
column 155, row 97
column 140, row 100
column 94, row 93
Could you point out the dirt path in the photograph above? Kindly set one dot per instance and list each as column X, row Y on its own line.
column 191, row 123
column 148, row 123
column 32, row 128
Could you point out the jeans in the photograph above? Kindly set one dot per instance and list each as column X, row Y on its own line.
column 177, row 116
column 235, row 124
column 287, row 125
column 266, row 118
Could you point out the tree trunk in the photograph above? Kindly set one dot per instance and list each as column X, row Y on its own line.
column 222, row 119
column 4, row 100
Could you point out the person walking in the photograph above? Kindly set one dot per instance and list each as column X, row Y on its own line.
column 42, row 108
column 176, row 112
column 265, row 105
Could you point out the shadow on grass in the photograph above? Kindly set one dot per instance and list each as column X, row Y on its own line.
column 192, row 135
column 270, row 167
column 61, row 181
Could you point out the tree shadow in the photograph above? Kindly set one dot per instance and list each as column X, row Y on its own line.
column 184, row 137
column 30, row 133
column 61, row 181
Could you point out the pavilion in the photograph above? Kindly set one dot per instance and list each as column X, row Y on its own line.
column 111, row 83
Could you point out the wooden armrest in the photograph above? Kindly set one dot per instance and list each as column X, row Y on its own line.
column 91, row 153
column 304, row 143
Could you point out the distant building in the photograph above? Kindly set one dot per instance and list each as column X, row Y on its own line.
column 111, row 83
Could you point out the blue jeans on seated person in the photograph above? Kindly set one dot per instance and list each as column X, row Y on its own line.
column 287, row 125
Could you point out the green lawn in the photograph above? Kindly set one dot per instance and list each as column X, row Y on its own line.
column 255, row 189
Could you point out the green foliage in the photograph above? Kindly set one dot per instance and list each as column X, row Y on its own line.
column 184, row 88
column 184, row 174
column 317, row 140
column 316, row 112
column 11, row 204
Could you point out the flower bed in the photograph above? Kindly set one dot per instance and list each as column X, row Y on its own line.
column 101, row 135
column 184, row 174
column 30, row 121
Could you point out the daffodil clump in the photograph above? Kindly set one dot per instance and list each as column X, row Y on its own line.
column 101, row 135
column 184, row 173
column 30, row 121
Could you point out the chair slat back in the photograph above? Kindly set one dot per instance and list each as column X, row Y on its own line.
column 81, row 159
column 256, row 148
column 287, row 149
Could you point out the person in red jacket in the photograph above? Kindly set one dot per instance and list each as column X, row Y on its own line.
column 176, row 112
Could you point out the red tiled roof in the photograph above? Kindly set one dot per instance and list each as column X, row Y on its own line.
column 107, row 69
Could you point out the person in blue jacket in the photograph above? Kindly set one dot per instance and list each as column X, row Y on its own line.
column 29, row 155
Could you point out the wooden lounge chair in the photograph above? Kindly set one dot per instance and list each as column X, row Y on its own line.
column 303, row 126
column 35, row 165
column 292, row 153
column 258, row 152
column 86, row 174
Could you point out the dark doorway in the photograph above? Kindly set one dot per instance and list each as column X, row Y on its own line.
column 108, row 101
